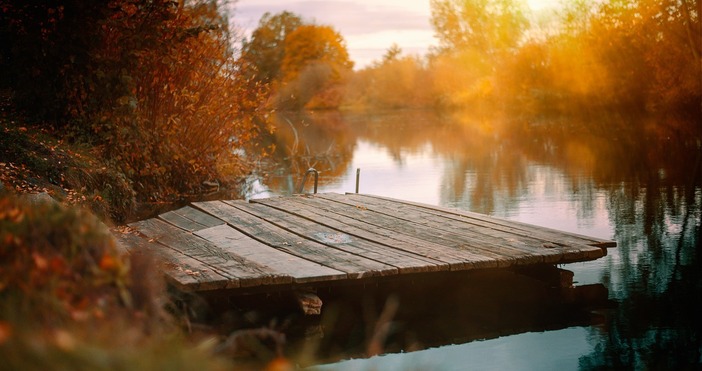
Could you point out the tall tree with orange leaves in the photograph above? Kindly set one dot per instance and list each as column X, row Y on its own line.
column 315, row 63
column 265, row 49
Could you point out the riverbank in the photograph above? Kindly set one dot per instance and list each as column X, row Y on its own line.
column 36, row 158
column 69, row 298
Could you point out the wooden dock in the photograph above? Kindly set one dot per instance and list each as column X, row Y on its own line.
column 308, row 241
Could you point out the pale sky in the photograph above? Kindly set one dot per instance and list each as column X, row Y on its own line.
column 369, row 27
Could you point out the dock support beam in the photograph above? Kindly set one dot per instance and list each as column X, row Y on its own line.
column 309, row 302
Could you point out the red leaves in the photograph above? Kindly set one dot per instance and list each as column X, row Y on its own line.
column 54, row 265
column 10, row 213
column 157, row 89
column 129, row 9
column 40, row 262
column 5, row 332
column 109, row 263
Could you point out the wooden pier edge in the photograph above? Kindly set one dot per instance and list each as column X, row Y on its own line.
column 303, row 242
column 602, row 243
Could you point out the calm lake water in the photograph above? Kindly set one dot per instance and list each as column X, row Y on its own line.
column 633, row 180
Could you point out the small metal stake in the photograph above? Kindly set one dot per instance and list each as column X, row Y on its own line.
column 358, row 177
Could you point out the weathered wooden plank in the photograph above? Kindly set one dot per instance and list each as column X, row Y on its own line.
column 301, row 270
column 353, row 265
column 559, row 250
column 454, row 243
column 405, row 262
column 403, row 231
column 315, row 209
column 190, row 219
column 240, row 271
column 180, row 221
column 505, row 256
column 181, row 271
column 523, row 228
column 552, row 252
column 199, row 217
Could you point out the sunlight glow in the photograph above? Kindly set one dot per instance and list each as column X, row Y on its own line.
column 538, row 5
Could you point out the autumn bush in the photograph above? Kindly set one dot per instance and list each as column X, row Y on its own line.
column 70, row 300
column 152, row 84
column 395, row 82
column 57, row 263
column 184, row 115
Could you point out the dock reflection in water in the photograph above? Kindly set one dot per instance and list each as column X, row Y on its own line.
column 425, row 311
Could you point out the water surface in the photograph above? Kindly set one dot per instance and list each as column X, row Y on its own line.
column 631, row 179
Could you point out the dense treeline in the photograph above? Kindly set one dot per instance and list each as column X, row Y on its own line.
column 153, row 84
column 641, row 54
column 635, row 54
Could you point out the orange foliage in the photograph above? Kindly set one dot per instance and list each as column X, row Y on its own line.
column 314, row 44
column 57, row 260
column 624, row 54
column 265, row 49
column 314, row 65
column 397, row 82
column 153, row 83
column 305, row 65
column 5, row 332
column 183, row 112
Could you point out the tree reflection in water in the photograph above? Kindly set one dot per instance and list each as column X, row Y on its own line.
column 642, row 175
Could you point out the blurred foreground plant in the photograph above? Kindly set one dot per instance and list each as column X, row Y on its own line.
column 70, row 300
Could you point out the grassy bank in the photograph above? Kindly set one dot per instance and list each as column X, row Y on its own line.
column 36, row 158
column 69, row 298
